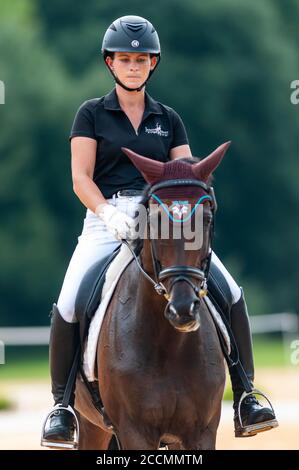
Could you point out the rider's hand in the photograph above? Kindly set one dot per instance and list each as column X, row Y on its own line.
column 118, row 223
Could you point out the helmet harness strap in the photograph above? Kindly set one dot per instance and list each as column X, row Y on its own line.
column 132, row 89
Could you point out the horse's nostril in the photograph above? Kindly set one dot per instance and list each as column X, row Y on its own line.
column 194, row 308
column 172, row 312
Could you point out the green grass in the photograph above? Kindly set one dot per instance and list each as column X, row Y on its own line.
column 269, row 352
column 25, row 363
column 6, row 404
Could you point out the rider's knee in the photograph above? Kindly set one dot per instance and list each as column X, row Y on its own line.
column 234, row 288
column 67, row 312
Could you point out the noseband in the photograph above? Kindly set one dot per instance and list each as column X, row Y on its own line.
column 180, row 273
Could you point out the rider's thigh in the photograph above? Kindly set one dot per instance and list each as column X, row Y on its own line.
column 94, row 244
column 234, row 288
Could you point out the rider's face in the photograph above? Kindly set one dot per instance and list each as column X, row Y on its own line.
column 131, row 68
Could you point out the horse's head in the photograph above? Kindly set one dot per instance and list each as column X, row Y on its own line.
column 180, row 193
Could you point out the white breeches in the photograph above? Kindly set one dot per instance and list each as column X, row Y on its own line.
column 96, row 242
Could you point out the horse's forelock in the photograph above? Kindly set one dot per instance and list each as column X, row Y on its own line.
column 180, row 169
column 177, row 169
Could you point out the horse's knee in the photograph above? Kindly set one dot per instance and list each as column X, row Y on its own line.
column 131, row 439
column 92, row 437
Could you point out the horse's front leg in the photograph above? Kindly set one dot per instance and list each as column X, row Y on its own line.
column 92, row 437
column 204, row 440
column 132, row 439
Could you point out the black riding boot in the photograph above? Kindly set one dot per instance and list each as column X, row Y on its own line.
column 254, row 417
column 61, row 424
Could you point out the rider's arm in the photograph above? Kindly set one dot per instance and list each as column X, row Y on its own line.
column 180, row 145
column 180, row 152
column 83, row 163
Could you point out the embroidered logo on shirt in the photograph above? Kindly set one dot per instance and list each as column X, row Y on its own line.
column 157, row 130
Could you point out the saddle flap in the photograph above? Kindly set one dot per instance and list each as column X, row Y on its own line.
column 90, row 292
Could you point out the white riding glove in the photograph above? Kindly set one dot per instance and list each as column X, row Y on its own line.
column 118, row 223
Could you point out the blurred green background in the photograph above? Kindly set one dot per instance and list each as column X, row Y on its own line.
column 226, row 68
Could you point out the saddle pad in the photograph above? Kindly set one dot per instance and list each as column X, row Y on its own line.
column 217, row 317
column 113, row 274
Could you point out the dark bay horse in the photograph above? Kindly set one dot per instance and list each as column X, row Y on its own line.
column 160, row 365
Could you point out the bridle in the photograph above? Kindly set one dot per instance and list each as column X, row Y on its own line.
column 181, row 273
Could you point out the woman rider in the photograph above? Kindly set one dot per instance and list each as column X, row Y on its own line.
column 109, row 185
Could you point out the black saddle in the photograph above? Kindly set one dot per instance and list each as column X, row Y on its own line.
column 90, row 291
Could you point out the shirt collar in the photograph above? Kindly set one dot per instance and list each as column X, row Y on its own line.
column 151, row 106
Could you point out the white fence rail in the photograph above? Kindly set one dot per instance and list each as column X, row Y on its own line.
column 274, row 322
column 260, row 324
column 25, row 336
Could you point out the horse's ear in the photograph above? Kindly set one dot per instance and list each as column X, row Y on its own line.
column 203, row 169
column 151, row 170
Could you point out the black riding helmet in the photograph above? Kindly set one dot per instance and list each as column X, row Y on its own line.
column 131, row 34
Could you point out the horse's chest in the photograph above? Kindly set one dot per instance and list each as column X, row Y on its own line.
column 162, row 397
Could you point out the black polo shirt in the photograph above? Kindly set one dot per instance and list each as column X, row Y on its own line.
column 103, row 119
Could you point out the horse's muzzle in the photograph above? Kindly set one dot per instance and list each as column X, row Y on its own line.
column 184, row 318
